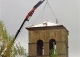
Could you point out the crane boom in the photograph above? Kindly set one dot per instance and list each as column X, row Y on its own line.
column 26, row 19
column 28, row 16
column 34, row 8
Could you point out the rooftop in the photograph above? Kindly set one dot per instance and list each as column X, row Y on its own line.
column 45, row 24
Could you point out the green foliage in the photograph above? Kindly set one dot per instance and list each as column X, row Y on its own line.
column 18, row 50
column 3, row 37
column 6, row 41
column 54, row 52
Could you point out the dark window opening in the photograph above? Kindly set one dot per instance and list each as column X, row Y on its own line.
column 39, row 47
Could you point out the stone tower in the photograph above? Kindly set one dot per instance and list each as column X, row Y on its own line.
column 46, row 36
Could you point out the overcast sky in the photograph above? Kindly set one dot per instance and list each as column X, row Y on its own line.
column 13, row 12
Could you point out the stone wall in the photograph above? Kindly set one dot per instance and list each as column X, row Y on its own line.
column 45, row 34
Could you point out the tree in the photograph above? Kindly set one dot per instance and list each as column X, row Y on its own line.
column 6, row 41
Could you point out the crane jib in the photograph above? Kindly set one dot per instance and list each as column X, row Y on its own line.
column 38, row 4
column 34, row 8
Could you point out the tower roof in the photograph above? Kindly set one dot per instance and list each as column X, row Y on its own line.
column 46, row 25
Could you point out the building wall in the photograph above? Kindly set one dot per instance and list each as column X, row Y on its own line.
column 60, row 35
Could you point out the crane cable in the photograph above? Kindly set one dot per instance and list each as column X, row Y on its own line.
column 51, row 10
column 42, row 12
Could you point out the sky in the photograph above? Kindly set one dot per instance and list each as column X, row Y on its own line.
column 67, row 12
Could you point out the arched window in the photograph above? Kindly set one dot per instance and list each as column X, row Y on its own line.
column 39, row 47
column 52, row 44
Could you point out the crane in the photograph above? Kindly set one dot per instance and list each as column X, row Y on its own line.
column 18, row 31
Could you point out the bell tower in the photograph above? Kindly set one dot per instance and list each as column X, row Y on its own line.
column 44, row 37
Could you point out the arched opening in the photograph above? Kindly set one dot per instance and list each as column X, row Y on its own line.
column 52, row 44
column 39, row 47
